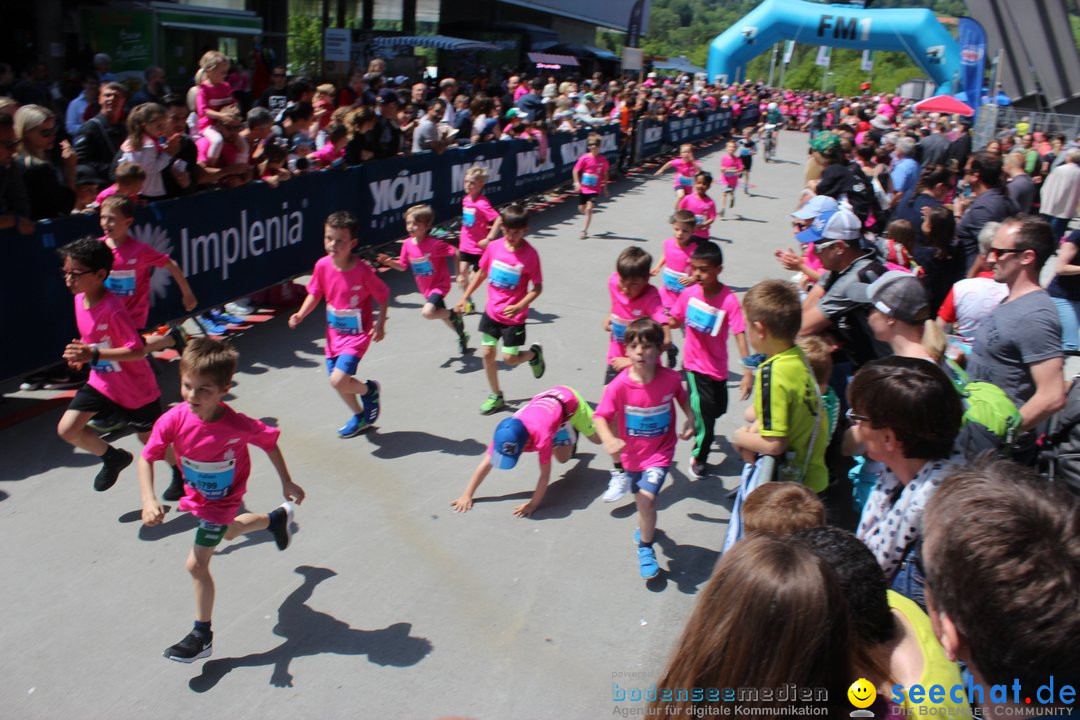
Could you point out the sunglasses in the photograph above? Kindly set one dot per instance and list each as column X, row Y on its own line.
column 76, row 273
column 998, row 252
column 854, row 418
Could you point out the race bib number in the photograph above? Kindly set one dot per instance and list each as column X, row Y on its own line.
column 703, row 317
column 686, row 180
column 104, row 366
column 421, row 266
column 618, row 328
column 648, row 422
column 121, row 282
column 344, row 322
column 468, row 217
column 671, row 280
column 565, row 436
column 590, row 180
column 211, row 479
column 700, row 219
column 505, row 276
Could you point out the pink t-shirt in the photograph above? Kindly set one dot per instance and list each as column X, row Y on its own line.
column 129, row 280
column 543, row 417
column 704, row 209
column 113, row 190
column 213, row 457
column 592, row 170
column 427, row 258
column 328, row 154
column 509, row 273
column 676, row 265
column 707, row 322
column 643, row 416
column 211, row 97
column 625, row 310
column 519, row 91
column 348, row 298
column 684, row 173
column 476, row 219
column 730, row 167
column 108, row 325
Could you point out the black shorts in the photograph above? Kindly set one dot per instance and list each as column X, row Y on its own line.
column 472, row 258
column 437, row 300
column 583, row 199
column 747, row 161
column 512, row 336
column 141, row 419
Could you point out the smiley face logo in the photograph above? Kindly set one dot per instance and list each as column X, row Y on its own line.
column 862, row 693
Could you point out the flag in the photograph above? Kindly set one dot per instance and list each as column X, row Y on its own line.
column 824, row 55
column 972, row 56
column 789, row 50
column 867, row 61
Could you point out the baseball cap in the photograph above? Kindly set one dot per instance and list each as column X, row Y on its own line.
column 386, row 95
column 900, row 295
column 815, row 206
column 509, row 440
column 839, row 224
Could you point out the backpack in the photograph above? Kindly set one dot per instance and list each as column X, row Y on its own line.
column 860, row 194
column 991, row 421
column 1060, row 455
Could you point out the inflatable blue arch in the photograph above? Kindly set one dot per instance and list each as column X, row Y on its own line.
column 914, row 31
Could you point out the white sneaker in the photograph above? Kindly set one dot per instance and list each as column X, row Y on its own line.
column 618, row 486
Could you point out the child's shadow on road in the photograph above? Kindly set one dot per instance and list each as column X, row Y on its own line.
column 309, row 632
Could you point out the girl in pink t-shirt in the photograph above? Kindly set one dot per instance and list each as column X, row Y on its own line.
column 590, row 179
column 427, row 258
column 701, row 205
column 686, row 168
column 213, row 97
column 731, row 168
column 480, row 223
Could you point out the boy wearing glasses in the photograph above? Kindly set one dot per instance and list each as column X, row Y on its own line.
column 121, row 382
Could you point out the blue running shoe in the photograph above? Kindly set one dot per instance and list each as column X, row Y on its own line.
column 354, row 427
column 228, row 318
column 210, row 326
column 647, row 560
column 370, row 401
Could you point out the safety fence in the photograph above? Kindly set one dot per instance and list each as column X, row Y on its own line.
column 232, row 243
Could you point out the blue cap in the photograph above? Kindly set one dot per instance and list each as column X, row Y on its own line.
column 840, row 224
column 510, row 439
column 815, row 206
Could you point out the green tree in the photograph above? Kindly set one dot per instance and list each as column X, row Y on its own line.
column 305, row 44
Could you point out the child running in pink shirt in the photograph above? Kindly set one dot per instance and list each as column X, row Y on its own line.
column 121, row 382
column 427, row 257
column 686, row 169
column 709, row 312
column 349, row 287
column 480, row 223
column 511, row 265
column 590, row 179
column 731, row 168
column 632, row 297
column 212, row 99
column 674, row 266
column 211, row 441
column 548, row 426
column 703, row 207
column 636, row 423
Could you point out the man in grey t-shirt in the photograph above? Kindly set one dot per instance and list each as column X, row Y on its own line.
column 427, row 136
column 1018, row 347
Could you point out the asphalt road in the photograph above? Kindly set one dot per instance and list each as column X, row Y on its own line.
column 388, row 604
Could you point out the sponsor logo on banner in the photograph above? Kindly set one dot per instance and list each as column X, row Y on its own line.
column 218, row 250
column 493, row 165
column 392, row 195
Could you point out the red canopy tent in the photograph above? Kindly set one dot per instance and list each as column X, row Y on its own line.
column 946, row 104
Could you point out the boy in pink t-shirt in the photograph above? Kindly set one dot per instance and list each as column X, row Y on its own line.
column 699, row 203
column 686, row 169
column 349, row 287
column 427, row 258
column 731, row 168
column 548, row 426
column 632, row 297
column 709, row 312
column 636, row 423
column 121, row 382
column 590, row 179
column 511, row 265
column 211, row 440
column 480, row 224
column 674, row 267
column 133, row 262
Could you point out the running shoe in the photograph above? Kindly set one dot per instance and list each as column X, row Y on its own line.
column 193, row 647
column 354, row 427
column 537, row 362
column 281, row 524
column 618, row 486
column 370, row 401
column 494, row 403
